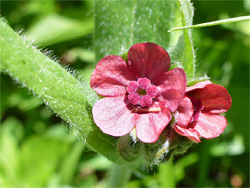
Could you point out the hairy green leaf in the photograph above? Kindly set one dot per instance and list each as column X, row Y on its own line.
column 182, row 49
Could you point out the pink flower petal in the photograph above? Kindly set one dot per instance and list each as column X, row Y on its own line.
column 132, row 87
column 152, row 91
column 185, row 112
column 134, row 98
column 112, row 116
column 190, row 133
column 199, row 85
column 148, row 60
column 144, row 83
column 150, row 125
column 172, row 88
column 111, row 76
column 210, row 125
column 145, row 100
column 214, row 98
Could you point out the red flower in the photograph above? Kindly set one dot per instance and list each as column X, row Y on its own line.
column 139, row 93
column 198, row 113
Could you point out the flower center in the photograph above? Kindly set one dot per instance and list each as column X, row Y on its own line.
column 141, row 92
column 198, row 106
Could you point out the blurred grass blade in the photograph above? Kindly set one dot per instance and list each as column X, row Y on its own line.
column 219, row 22
column 167, row 174
column 9, row 151
column 204, row 164
column 1, row 68
column 70, row 163
column 184, row 162
column 118, row 176
column 54, row 29
column 60, row 91
column 97, row 162
column 36, row 154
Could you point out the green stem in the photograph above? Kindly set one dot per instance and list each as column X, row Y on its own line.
column 207, row 24
column 118, row 176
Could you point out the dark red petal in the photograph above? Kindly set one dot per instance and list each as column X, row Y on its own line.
column 150, row 125
column 172, row 88
column 190, row 133
column 148, row 60
column 199, row 85
column 111, row 76
column 112, row 116
column 210, row 125
column 214, row 98
column 185, row 112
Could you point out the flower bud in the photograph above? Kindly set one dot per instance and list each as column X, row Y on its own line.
column 168, row 145
column 128, row 148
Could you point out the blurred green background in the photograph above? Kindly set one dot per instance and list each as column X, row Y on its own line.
column 37, row 149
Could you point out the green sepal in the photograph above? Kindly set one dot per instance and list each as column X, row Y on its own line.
column 197, row 80
column 125, row 56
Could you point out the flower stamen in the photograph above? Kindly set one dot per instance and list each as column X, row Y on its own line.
column 145, row 110
column 141, row 92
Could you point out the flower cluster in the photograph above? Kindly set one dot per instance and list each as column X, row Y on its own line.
column 142, row 94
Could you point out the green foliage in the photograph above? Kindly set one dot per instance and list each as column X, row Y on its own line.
column 118, row 176
column 167, row 178
column 61, row 29
column 70, row 163
column 19, row 166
